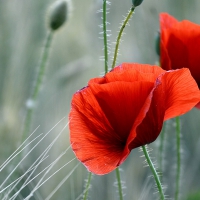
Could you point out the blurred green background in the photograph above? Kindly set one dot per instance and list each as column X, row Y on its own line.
column 75, row 57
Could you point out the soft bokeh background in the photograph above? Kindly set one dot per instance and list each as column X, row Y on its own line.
column 75, row 58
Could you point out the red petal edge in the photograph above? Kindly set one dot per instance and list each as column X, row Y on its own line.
column 182, row 92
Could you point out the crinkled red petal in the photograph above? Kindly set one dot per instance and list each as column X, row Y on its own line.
column 130, row 72
column 133, row 72
column 182, row 92
column 121, row 102
column 91, row 135
column 148, row 123
column 175, row 93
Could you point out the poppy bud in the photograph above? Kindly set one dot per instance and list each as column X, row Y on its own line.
column 157, row 43
column 57, row 14
column 136, row 2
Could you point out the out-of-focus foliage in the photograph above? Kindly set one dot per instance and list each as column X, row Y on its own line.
column 74, row 59
column 194, row 196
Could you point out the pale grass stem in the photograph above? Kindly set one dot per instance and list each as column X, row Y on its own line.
column 17, row 151
column 11, row 191
column 62, row 182
column 27, row 154
column 42, row 156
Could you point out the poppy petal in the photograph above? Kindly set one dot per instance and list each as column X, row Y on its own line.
column 176, row 49
column 121, row 103
column 91, row 135
column 180, row 45
column 130, row 72
column 181, row 90
column 149, row 121
column 167, row 21
column 164, row 58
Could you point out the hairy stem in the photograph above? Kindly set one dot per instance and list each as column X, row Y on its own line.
column 119, row 183
column 120, row 35
column 105, row 35
column 154, row 172
column 37, row 86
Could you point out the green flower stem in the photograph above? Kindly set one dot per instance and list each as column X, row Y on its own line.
column 158, row 183
column 119, row 183
column 87, row 186
column 37, row 86
column 178, row 154
column 120, row 35
column 105, row 36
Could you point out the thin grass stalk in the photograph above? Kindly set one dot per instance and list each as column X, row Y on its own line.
column 41, row 182
column 17, row 181
column 61, row 183
column 19, row 150
column 42, row 157
column 25, row 156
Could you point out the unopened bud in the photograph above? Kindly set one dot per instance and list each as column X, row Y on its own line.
column 157, row 43
column 57, row 14
column 136, row 2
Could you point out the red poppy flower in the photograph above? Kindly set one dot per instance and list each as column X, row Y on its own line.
column 180, row 45
column 125, row 109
